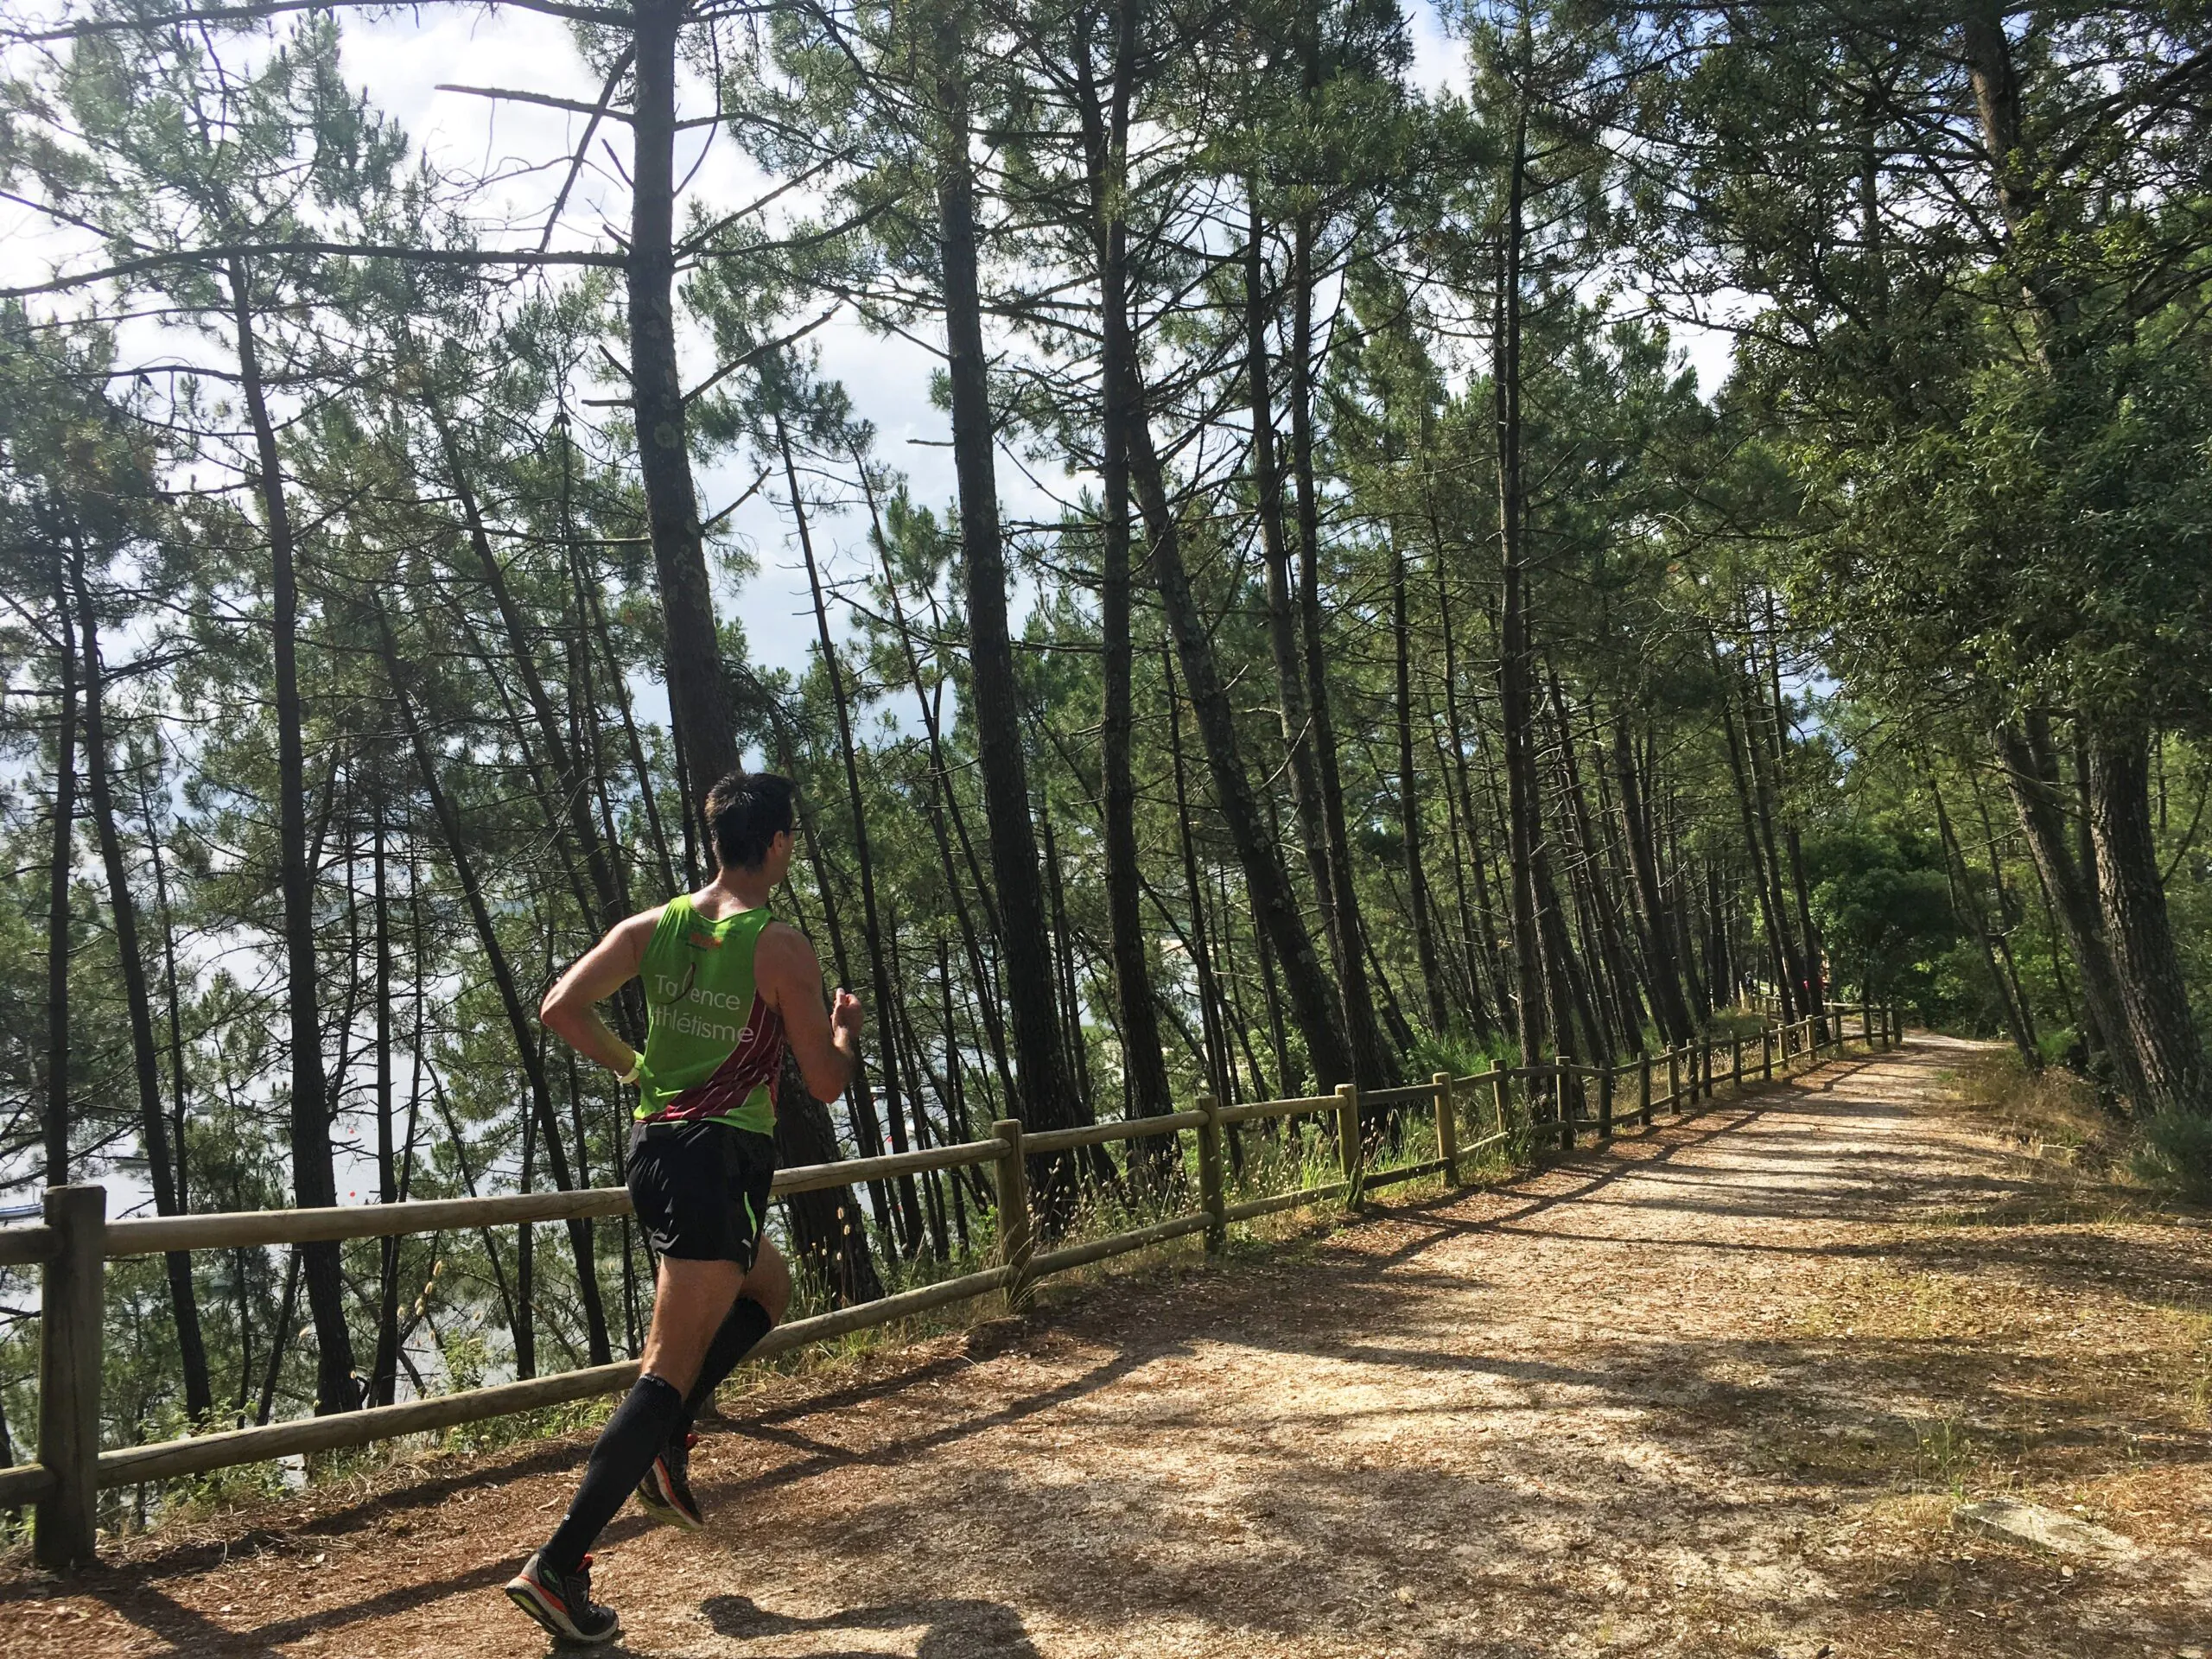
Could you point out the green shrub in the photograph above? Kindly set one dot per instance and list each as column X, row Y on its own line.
column 2177, row 1152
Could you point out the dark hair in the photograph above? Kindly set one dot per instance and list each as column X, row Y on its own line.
column 747, row 811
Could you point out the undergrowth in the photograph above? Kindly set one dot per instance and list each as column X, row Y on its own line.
column 2052, row 1115
column 2055, row 1115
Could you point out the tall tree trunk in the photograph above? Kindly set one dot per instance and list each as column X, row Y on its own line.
column 384, row 1366
column 1314, row 1007
column 59, row 863
column 1809, row 936
column 1769, row 903
column 1215, row 1052
column 2153, row 993
column 281, row 1341
column 1968, row 902
column 1071, row 995
column 1602, row 928
column 1432, row 971
column 698, row 697
column 943, row 805
column 2009, row 916
column 899, row 1051
column 826, row 1230
column 503, row 978
column 1282, row 620
column 153, row 1129
column 525, row 1306
column 1464, row 854
column 867, row 1129
column 2031, row 777
column 879, row 966
column 1517, row 715
column 1228, row 981
column 1378, row 1067
column 1765, row 796
column 1144, row 1066
column 564, row 790
column 1046, row 1101
column 313, row 1182
column 2130, row 974
column 1665, row 969
column 1719, row 950
column 1492, row 961
column 585, row 573
column 179, row 1086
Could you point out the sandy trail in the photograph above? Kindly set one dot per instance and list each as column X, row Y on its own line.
column 1709, row 1390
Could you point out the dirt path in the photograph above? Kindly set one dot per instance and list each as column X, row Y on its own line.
column 1710, row 1391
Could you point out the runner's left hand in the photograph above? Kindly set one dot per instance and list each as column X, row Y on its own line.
column 845, row 1013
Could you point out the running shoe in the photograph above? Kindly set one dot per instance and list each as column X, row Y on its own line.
column 666, row 1492
column 562, row 1602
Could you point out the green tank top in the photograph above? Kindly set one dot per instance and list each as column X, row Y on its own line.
column 713, row 1047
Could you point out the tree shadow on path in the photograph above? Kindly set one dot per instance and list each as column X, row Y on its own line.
column 959, row 1629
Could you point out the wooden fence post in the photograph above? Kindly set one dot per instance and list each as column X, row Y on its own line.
column 1015, row 1246
column 1867, row 1026
column 1643, row 1090
column 1212, row 1199
column 1606, row 1103
column 1499, row 1083
column 1766, row 1053
column 1705, row 1065
column 1736, row 1063
column 65, row 1529
column 1447, row 1127
column 1349, row 1151
column 1674, row 1081
column 1562, row 1069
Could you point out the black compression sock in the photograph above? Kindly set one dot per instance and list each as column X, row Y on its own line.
column 741, row 1328
column 632, row 1438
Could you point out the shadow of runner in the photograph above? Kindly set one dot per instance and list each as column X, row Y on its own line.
column 133, row 1591
column 186, row 1629
column 957, row 1629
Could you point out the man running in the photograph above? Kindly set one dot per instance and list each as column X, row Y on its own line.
column 727, row 986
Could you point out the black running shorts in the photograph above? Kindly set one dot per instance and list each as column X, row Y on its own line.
column 701, row 1190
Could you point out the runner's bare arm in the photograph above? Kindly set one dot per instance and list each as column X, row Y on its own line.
column 570, row 1009
column 825, row 1041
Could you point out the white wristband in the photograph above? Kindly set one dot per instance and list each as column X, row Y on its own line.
column 637, row 1066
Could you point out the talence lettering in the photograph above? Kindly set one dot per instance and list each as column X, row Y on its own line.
column 672, row 991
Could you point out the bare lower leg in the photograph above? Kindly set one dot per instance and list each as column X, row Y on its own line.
column 759, row 1306
column 690, row 1300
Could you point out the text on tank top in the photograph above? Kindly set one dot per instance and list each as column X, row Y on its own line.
column 713, row 1046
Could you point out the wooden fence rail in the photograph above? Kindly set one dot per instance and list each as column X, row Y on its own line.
column 75, row 1242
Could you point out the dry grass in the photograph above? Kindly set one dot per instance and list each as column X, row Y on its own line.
column 2052, row 1115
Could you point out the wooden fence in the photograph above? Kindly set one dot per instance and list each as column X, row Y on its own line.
column 1556, row 1104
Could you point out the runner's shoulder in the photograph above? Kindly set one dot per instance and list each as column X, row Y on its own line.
column 634, row 933
column 643, row 923
column 782, row 949
column 786, row 941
